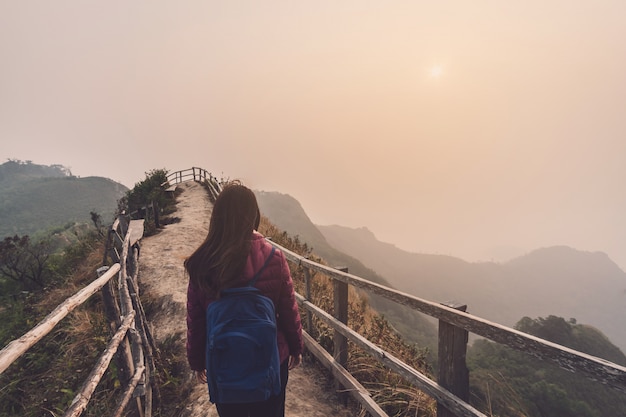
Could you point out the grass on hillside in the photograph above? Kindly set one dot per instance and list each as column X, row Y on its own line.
column 46, row 378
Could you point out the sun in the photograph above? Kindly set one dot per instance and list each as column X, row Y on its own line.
column 436, row 71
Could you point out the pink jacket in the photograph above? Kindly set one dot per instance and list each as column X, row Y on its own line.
column 275, row 282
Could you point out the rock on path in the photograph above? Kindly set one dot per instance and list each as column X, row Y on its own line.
column 161, row 274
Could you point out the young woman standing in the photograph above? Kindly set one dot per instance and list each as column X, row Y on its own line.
column 230, row 256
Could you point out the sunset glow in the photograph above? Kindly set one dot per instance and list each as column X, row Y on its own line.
column 436, row 71
column 481, row 130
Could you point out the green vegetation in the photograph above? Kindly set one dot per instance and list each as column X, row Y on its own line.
column 25, row 263
column 35, row 198
column 37, row 274
column 510, row 383
column 21, row 171
column 145, row 192
column 45, row 380
column 148, row 200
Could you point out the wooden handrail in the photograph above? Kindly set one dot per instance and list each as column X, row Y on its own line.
column 189, row 174
column 195, row 174
column 11, row 352
column 420, row 380
column 594, row 368
column 345, row 378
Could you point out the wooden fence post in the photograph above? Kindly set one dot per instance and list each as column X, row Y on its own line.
column 453, row 372
column 341, row 313
column 124, row 221
column 309, row 315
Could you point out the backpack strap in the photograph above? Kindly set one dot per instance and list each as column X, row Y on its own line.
column 258, row 274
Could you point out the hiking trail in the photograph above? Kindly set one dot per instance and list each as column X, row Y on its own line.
column 162, row 277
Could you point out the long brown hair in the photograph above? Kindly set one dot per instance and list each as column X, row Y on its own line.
column 220, row 259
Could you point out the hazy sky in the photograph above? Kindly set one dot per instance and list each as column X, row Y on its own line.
column 480, row 129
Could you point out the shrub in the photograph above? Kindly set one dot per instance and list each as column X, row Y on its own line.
column 146, row 192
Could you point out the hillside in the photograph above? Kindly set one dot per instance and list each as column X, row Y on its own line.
column 14, row 171
column 557, row 281
column 38, row 197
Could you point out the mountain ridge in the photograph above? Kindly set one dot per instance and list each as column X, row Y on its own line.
column 34, row 197
column 557, row 280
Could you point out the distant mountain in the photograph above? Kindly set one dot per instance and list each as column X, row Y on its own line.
column 558, row 281
column 287, row 214
column 35, row 197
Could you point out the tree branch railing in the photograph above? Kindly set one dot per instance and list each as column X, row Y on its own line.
column 131, row 342
column 452, row 318
column 15, row 349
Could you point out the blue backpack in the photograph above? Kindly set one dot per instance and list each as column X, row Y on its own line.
column 242, row 352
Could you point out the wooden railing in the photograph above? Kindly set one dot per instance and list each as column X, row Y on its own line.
column 131, row 340
column 451, row 391
column 132, row 343
column 194, row 174
column 190, row 174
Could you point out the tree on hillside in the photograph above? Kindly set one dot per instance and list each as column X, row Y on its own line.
column 96, row 219
column 145, row 192
column 25, row 262
column 512, row 383
column 552, row 328
column 580, row 337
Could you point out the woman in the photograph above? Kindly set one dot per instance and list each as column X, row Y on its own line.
column 231, row 255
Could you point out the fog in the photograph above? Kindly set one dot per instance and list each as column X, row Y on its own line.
column 481, row 130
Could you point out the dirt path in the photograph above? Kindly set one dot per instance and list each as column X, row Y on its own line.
column 162, row 276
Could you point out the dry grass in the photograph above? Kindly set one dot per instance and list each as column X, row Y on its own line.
column 44, row 381
column 395, row 395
